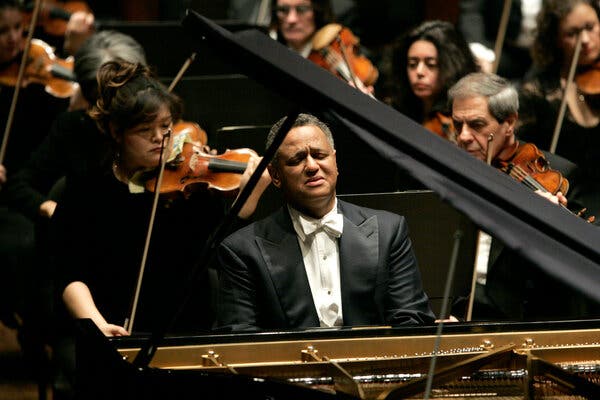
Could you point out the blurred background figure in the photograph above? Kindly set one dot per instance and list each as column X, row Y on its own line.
column 479, row 21
column 430, row 59
column 560, row 22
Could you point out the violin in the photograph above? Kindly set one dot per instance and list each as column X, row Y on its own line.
column 192, row 130
column 529, row 166
column 335, row 48
column 54, row 15
column 193, row 168
column 587, row 79
column 441, row 125
column 45, row 68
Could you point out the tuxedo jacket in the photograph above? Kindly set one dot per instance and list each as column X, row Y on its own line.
column 263, row 281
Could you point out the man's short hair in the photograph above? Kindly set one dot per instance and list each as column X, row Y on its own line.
column 503, row 99
column 302, row 120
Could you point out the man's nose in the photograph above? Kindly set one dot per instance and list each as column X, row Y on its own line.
column 464, row 135
column 311, row 164
column 292, row 15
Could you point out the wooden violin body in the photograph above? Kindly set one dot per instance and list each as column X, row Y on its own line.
column 335, row 48
column 54, row 15
column 529, row 166
column 194, row 169
column 441, row 125
column 44, row 68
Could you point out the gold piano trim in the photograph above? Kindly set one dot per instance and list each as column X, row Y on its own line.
column 380, row 367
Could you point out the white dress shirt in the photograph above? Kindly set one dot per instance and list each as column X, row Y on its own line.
column 318, row 239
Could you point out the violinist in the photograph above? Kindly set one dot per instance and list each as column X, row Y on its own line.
column 32, row 118
column 295, row 23
column 485, row 113
column 430, row 59
column 100, row 226
column 73, row 148
column 560, row 23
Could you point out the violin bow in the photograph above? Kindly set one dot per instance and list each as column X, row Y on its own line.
column 483, row 244
column 357, row 82
column 563, row 103
column 499, row 43
column 128, row 325
column 24, row 57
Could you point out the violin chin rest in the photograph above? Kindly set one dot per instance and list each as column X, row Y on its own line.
column 325, row 36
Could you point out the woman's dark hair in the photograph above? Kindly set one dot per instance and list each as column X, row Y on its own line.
column 546, row 52
column 455, row 60
column 128, row 95
column 98, row 49
column 322, row 11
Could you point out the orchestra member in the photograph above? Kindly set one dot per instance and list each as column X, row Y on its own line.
column 485, row 113
column 318, row 261
column 431, row 58
column 74, row 143
column 559, row 25
column 32, row 117
column 295, row 23
column 479, row 22
column 100, row 226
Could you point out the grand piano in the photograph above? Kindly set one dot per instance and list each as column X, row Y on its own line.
column 466, row 360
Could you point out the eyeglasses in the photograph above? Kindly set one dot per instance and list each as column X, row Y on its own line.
column 283, row 11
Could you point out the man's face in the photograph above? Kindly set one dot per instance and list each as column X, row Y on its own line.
column 306, row 171
column 11, row 34
column 296, row 22
column 477, row 130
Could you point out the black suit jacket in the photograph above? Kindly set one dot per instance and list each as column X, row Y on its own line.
column 263, row 282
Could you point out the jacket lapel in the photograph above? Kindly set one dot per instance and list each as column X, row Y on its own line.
column 359, row 261
column 283, row 260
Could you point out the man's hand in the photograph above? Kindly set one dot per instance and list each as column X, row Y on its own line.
column 47, row 208
column 79, row 28
column 263, row 183
column 557, row 199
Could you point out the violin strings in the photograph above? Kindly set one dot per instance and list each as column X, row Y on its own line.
column 521, row 175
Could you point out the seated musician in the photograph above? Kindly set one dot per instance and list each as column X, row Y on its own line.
column 295, row 23
column 100, row 226
column 318, row 261
column 485, row 112
column 431, row 58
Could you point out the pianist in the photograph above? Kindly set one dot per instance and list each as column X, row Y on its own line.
column 318, row 261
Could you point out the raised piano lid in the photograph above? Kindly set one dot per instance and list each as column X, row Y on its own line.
column 566, row 247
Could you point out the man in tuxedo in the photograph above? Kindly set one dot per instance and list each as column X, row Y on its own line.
column 318, row 261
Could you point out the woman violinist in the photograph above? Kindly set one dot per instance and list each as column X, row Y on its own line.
column 297, row 23
column 560, row 23
column 101, row 226
column 430, row 59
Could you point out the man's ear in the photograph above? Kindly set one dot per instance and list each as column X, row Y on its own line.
column 275, row 177
column 511, row 120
